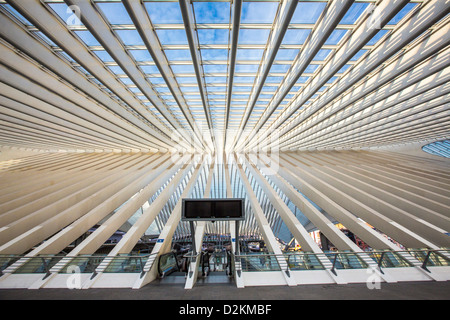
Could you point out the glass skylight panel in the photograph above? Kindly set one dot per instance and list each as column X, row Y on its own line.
column 130, row 37
column 156, row 80
column 322, row 54
column 149, row 69
column 335, row 37
column 249, row 54
column 66, row 56
column 16, row 14
column 219, row 89
column 169, row 36
column 402, row 13
column 353, row 13
column 188, row 89
column 296, row 88
column 215, row 68
column 269, row 89
column 83, row 70
column 286, row 54
column 134, row 90
column 251, row 68
column 344, row 68
column 214, row 54
column 87, row 38
column 296, row 36
column 115, row 12
column 126, row 81
column 380, row 34
column 302, row 79
column 311, row 68
column 45, row 38
column 212, row 12
column 183, row 68
column 241, row 96
column 244, row 79
column 215, row 79
column 212, row 36
column 187, row 80
column 242, row 89
column 104, row 56
column 164, row 12
column 64, row 12
column 331, row 80
column 178, row 55
column 253, row 36
column 358, row 55
column 279, row 68
column 258, row 12
column 308, row 12
column 141, row 55
column 162, row 89
column 270, row 80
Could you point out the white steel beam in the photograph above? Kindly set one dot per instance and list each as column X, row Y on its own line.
column 166, row 234
column 144, row 26
column 263, row 224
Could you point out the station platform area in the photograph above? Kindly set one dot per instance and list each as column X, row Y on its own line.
column 156, row 291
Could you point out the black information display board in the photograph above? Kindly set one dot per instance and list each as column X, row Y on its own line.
column 213, row 209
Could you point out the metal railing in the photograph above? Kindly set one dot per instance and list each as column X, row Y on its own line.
column 47, row 264
column 80, row 264
column 342, row 260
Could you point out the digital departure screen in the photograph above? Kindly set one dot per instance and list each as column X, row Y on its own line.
column 213, row 209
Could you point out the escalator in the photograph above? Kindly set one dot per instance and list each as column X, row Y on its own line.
column 215, row 268
column 172, row 268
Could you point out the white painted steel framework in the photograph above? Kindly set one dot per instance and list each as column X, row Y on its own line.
column 313, row 111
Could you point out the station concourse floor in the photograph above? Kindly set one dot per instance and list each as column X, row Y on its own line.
column 422, row 290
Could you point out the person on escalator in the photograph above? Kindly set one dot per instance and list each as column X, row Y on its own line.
column 205, row 263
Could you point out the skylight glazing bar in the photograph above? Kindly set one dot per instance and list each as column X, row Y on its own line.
column 147, row 33
column 48, row 24
column 64, row 97
column 408, row 31
column 236, row 18
column 95, row 23
column 333, row 13
column 280, row 26
column 429, row 44
column 21, row 39
column 378, row 114
column 374, row 20
column 189, row 25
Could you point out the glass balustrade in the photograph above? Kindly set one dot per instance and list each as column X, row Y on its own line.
column 432, row 258
column 305, row 261
column 249, row 262
column 346, row 260
column 6, row 261
column 259, row 262
column 126, row 264
column 389, row 259
column 39, row 264
column 83, row 264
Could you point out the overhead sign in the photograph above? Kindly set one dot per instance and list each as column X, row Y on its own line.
column 213, row 209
